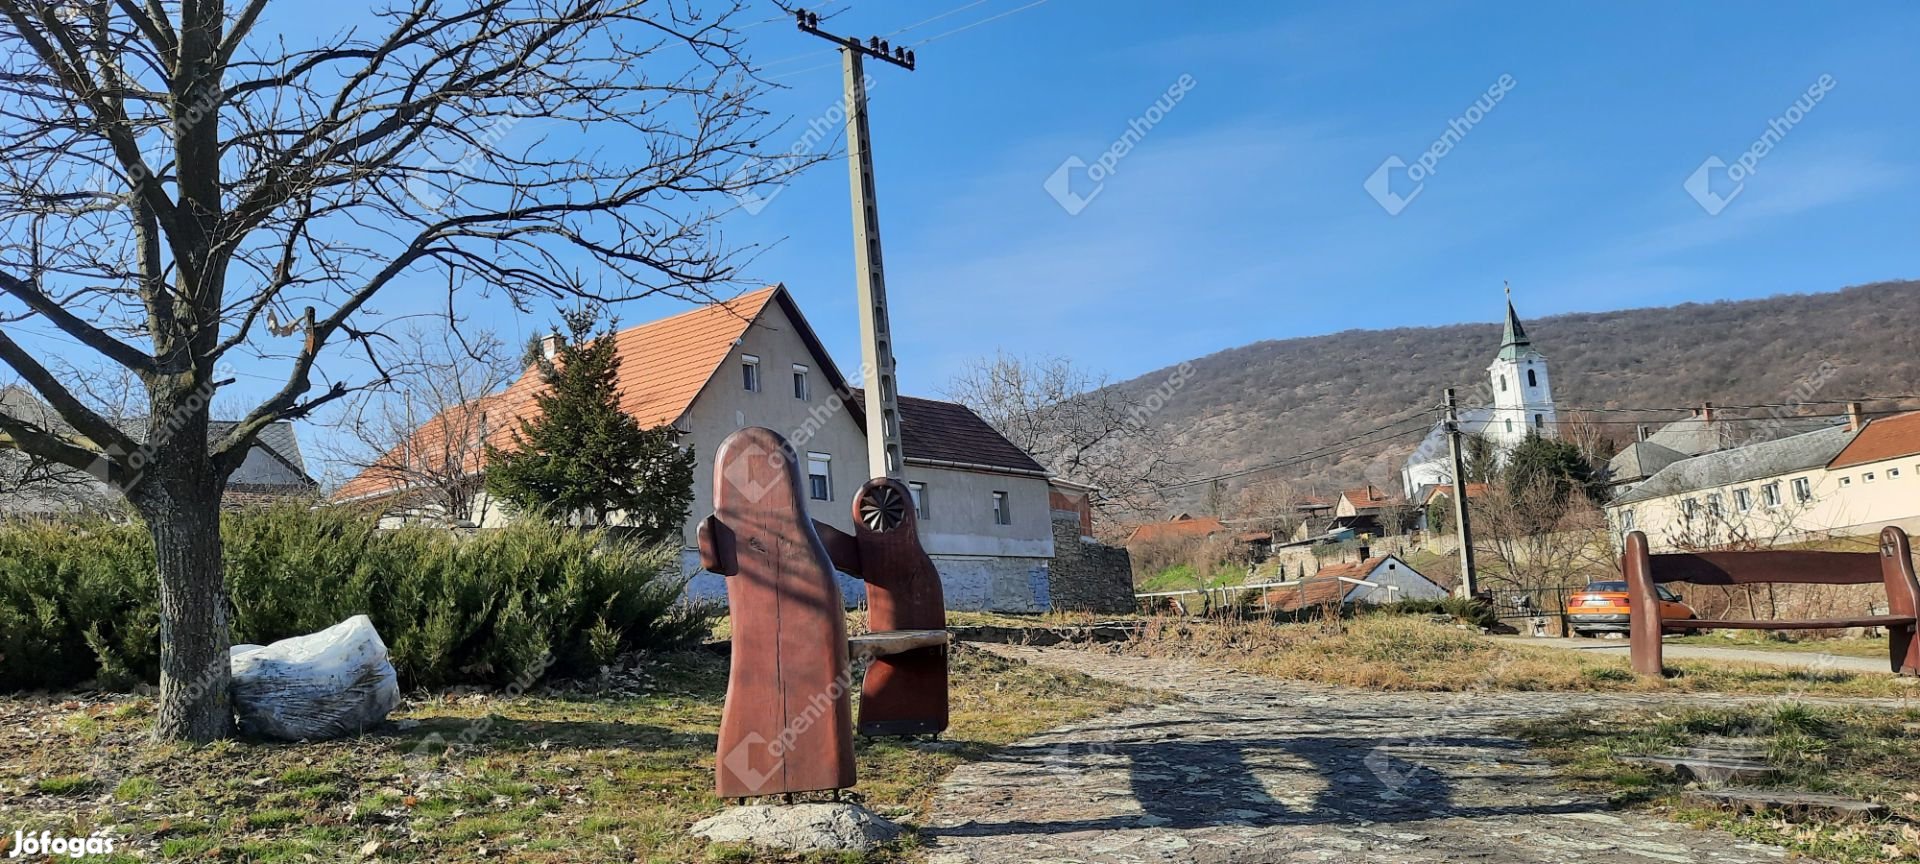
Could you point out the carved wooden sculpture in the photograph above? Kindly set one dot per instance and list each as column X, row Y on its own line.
column 905, row 691
column 787, row 725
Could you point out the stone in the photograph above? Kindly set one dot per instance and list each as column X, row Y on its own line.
column 1787, row 802
column 323, row 685
column 821, row 827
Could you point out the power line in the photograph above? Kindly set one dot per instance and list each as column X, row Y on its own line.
column 961, row 29
column 1346, row 445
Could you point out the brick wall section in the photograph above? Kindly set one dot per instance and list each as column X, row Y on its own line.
column 1088, row 576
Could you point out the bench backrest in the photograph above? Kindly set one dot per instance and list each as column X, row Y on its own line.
column 1892, row 566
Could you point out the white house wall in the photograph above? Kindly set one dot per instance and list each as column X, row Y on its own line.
column 1857, row 509
column 1392, row 581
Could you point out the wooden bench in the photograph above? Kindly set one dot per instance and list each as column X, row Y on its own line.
column 887, row 643
column 1892, row 566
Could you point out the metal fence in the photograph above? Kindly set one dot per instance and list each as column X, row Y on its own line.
column 1533, row 611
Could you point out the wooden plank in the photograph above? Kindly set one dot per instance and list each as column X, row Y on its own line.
column 1751, row 568
column 888, row 642
column 1803, row 624
column 1801, row 804
column 1708, row 769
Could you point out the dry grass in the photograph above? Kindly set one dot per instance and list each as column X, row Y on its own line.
column 610, row 775
column 1859, row 753
column 1399, row 652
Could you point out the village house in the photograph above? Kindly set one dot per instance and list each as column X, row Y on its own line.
column 984, row 504
column 274, row 470
column 1842, row 480
column 1373, row 580
column 1704, row 432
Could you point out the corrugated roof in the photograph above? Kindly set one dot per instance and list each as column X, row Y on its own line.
column 1882, row 439
column 1753, row 462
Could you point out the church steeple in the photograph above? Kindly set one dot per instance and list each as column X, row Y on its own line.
column 1515, row 344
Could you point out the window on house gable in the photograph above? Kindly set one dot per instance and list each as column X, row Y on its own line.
column 1626, row 520
column 820, row 476
column 1892, row 473
column 1846, row 481
column 1868, row 477
column 800, row 390
column 1001, row 515
column 920, row 507
column 750, row 373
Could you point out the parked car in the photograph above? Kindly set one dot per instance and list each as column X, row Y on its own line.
column 1602, row 607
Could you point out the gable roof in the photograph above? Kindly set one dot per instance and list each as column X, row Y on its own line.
column 273, row 462
column 1474, row 490
column 1882, row 439
column 1369, row 497
column 1641, row 460
column 664, row 365
column 949, row 433
column 1740, row 464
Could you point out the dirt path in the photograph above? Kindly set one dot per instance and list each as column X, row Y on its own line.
column 1794, row 659
column 1257, row 770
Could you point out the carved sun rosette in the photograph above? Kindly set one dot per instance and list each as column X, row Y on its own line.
column 883, row 508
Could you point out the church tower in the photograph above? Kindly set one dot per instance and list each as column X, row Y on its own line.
column 1522, row 393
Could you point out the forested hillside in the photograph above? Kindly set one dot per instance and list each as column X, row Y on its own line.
column 1268, row 401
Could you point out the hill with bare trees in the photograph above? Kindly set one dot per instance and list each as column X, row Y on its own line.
column 1272, row 401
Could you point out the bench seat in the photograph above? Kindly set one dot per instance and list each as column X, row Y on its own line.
column 1803, row 624
column 888, row 642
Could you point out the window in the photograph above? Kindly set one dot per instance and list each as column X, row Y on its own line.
column 1626, row 520
column 1802, row 490
column 1539, row 421
column 800, row 390
column 1714, row 510
column 1509, row 424
column 1892, row 473
column 1001, row 515
column 750, row 373
column 1532, row 379
column 919, row 493
column 1846, row 481
column 1742, row 500
column 1867, row 476
column 1770, row 494
column 1503, row 383
column 1688, row 508
column 820, row 476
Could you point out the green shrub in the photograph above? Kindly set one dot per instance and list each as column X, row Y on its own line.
column 1463, row 610
column 78, row 602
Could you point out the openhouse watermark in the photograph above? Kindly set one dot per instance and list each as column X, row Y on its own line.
column 1093, row 176
column 1733, row 176
column 1380, row 184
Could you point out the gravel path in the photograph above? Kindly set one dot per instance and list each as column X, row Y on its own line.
column 1258, row 770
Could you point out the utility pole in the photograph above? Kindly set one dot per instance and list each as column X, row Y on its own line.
column 876, row 349
column 1469, row 578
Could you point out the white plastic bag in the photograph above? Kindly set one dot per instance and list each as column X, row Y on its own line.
column 324, row 685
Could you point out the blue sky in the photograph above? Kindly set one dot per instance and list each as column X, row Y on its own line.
column 1242, row 215
column 1242, row 212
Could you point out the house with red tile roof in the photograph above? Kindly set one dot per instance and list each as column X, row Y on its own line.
column 985, row 514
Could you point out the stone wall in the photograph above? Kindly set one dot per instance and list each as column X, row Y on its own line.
column 1088, row 576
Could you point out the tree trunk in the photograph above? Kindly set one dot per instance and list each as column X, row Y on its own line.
column 181, row 508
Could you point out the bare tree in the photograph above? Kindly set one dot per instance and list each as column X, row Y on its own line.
column 1076, row 424
column 1540, row 535
column 1270, row 505
column 180, row 191
column 424, row 436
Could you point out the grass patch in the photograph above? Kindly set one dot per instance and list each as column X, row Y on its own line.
column 1399, row 652
column 553, row 777
column 1761, row 640
column 1856, row 752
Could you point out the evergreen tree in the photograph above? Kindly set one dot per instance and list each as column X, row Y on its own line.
column 580, row 459
column 1555, row 463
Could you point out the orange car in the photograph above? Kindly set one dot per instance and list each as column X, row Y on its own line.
column 1602, row 607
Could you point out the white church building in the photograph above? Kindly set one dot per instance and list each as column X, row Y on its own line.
column 1522, row 406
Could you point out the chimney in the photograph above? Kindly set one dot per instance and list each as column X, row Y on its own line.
column 550, row 345
column 1706, row 412
column 1853, row 417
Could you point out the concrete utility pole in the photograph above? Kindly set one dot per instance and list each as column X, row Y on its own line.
column 1469, row 578
column 876, row 349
